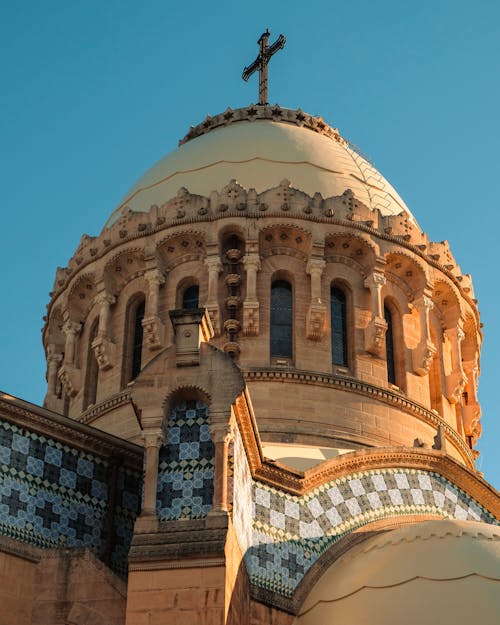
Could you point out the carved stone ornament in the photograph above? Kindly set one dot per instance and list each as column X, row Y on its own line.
column 251, row 318
column 154, row 332
column 455, row 383
column 471, row 415
column 214, row 312
column 104, row 351
column 316, row 321
column 422, row 357
column 375, row 336
column 71, row 379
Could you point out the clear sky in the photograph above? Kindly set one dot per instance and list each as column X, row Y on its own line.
column 93, row 93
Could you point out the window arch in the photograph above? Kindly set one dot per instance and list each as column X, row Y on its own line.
column 389, row 347
column 134, row 339
column 281, row 335
column 338, row 314
column 92, row 372
column 190, row 297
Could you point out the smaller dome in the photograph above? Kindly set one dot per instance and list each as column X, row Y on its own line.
column 435, row 572
column 260, row 150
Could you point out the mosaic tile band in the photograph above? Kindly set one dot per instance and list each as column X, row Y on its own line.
column 52, row 494
column 186, row 464
column 289, row 533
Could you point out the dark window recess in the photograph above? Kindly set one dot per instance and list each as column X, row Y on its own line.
column 137, row 342
column 190, row 297
column 339, row 326
column 281, row 319
column 389, row 347
column 92, row 370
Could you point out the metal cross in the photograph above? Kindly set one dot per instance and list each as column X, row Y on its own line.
column 261, row 62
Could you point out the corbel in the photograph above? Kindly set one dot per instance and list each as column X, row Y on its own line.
column 424, row 353
column 103, row 346
column 251, row 262
column 214, row 267
column 153, row 326
column 316, row 313
column 455, row 381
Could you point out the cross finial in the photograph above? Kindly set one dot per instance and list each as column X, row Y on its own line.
column 261, row 62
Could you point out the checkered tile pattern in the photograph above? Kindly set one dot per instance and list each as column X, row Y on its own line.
column 242, row 494
column 53, row 495
column 290, row 533
column 186, row 464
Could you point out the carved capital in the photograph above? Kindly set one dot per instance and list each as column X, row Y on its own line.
column 315, row 266
column 153, row 437
column 71, row 379
column 213, row 264
column 154, row 332
column 316, row 321
column 71, row 328
column 375, row 336
column 104, row 298
column 375, row 280
column 155, row 278
column 251, row 261
column 251, row 318
column 104, row 351
column 422, row 357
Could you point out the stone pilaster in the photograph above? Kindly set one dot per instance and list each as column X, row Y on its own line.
column 214, row 267
column 103, row 346
column 316, row 313
column 376, row 329
column 221, row 436
column 455, row 381
column 251, row 263
column 154, row 329
column 425, row 351
column 69, row 375
column 152, row 440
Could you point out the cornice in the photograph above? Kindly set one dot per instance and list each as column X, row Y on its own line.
column 98, row 410
column 68, row 431
column 384, row 395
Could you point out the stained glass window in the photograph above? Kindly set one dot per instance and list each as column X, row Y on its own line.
column 281, row 319
column 137, row 340
column 389, row 347
column 338, row 309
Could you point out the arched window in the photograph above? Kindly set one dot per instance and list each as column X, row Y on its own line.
column 281, row 319
column 137, row 339
column 389, row 347
column 92, row 373
column 338, row 311
column 190, row 297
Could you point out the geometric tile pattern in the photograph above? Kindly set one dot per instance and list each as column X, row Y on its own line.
column 242, row 494
column 290, row 533
column 186, row 464
column 52, row 494
column 128, row 507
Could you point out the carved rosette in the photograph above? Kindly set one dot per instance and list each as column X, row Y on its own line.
column 375, row 336
column 316, row 321
column 104, row 351
column 154, row 331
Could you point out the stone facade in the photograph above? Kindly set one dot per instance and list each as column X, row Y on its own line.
column 161, row 332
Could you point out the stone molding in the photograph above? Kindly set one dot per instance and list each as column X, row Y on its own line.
column 298, row 483
column 363, row 388
column 100, row 409
column 68, row 431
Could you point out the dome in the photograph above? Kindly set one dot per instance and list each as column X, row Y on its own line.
column 442, row 571
column 259, row 148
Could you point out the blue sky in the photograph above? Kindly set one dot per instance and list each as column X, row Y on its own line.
column 93, row 93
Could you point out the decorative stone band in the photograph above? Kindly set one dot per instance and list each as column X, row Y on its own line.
column 97, row 410
column 362, row 388
column 290, row 533
column 270, row 112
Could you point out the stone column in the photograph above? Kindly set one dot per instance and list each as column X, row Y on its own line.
column 54, row 360
column 214, row 267
column 221, row 436
column 455, row 381
column 153, row 440
column 424, row 353
column 68, row 374
column 251, row 262
column 316, row 314
column 376, row 329
column 102, row 345
column 154, row 329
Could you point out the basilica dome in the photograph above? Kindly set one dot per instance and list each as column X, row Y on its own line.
column 259, row 147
